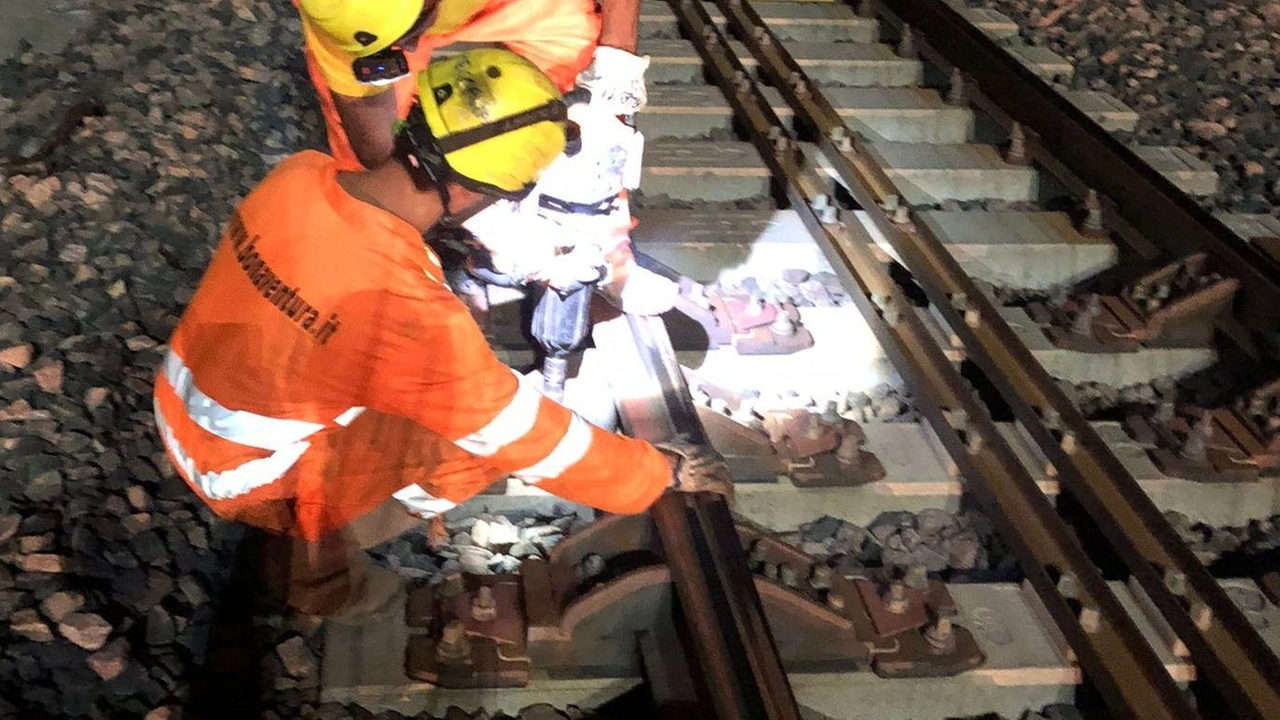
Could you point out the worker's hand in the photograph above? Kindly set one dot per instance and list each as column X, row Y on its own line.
column 513, row 240
column 584, row 265
column 616, row 80
column 698, row 468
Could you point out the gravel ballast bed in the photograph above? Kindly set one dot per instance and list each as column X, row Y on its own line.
column 956, row 547
column 1202, row 75
column 116, row 583
column 111, row 571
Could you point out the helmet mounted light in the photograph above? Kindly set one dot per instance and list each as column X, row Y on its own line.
column 391, row 63
column 381, row 68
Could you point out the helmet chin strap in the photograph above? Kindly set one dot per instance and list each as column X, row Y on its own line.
column 426, row 164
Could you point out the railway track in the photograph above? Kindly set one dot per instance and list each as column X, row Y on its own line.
column 854, row 197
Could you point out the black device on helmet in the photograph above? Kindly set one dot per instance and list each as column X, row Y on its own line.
column 381, row 68
column 390, row 64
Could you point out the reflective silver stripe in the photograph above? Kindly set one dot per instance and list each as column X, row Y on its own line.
column 422, row 503
column 571, row 448
column 514, row 422
column 238, row 426
column 236, row 481
column 347, row 417
column 285, row 438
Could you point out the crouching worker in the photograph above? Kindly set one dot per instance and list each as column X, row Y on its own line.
column 325, row 386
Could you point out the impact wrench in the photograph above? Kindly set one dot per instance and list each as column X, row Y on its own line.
column 560, row 317
column 561, row 320
column 559, row 325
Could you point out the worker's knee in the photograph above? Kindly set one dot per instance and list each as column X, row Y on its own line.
column 312, row 577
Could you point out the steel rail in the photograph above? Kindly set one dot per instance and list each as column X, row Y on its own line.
column 1139, row 195
column 736, row 656
column 1219, row 639
column 1108, row 644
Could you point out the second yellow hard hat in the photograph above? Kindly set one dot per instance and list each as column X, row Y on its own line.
column 362, row 27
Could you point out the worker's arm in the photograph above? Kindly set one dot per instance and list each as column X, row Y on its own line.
column 367, row 112
column 620, row 24
column 368, row 122
column 433, row 365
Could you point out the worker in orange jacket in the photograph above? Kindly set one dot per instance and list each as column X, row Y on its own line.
column 361, row 53
column 324, row 371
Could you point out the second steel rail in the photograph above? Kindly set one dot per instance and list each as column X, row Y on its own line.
column 1110, row 647
column 734, row 653
column 1220, row 640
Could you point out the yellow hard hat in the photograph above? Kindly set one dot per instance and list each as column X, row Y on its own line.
column 362, row 27
column 489, row 120
column 450, row 15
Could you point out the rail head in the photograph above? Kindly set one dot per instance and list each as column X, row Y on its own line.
column 1108, row 643
column 736, row 656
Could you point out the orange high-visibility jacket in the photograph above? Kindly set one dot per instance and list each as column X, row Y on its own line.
column 558, row 36
column 323, row 366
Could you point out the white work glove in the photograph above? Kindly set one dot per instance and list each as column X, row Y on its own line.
column 698, row 468
column 616, row 81
column 524, row 241
column 511, row 234
column 607, row 163
column 584, row 264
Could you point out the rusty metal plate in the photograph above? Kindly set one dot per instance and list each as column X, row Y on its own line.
column 475, row 633
column 765, row 341
column 743, row 313
column 596, row 633
column 542, row 598
column 731, row 397
column 917, row 656
column 800, row 433
column 1270, row 247
column 827, row 471
column 489, row 665
column 1218, row 471
column 748, row 452
column 888, row 623
column 1177, row 304
column 1224, row 453
column 1270, row 585
column 816, row 635
column 608, row 537
column 505, row 624
column 716, row 333
column 742, row 321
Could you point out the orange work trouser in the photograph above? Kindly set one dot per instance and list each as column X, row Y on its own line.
column 320, row 577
